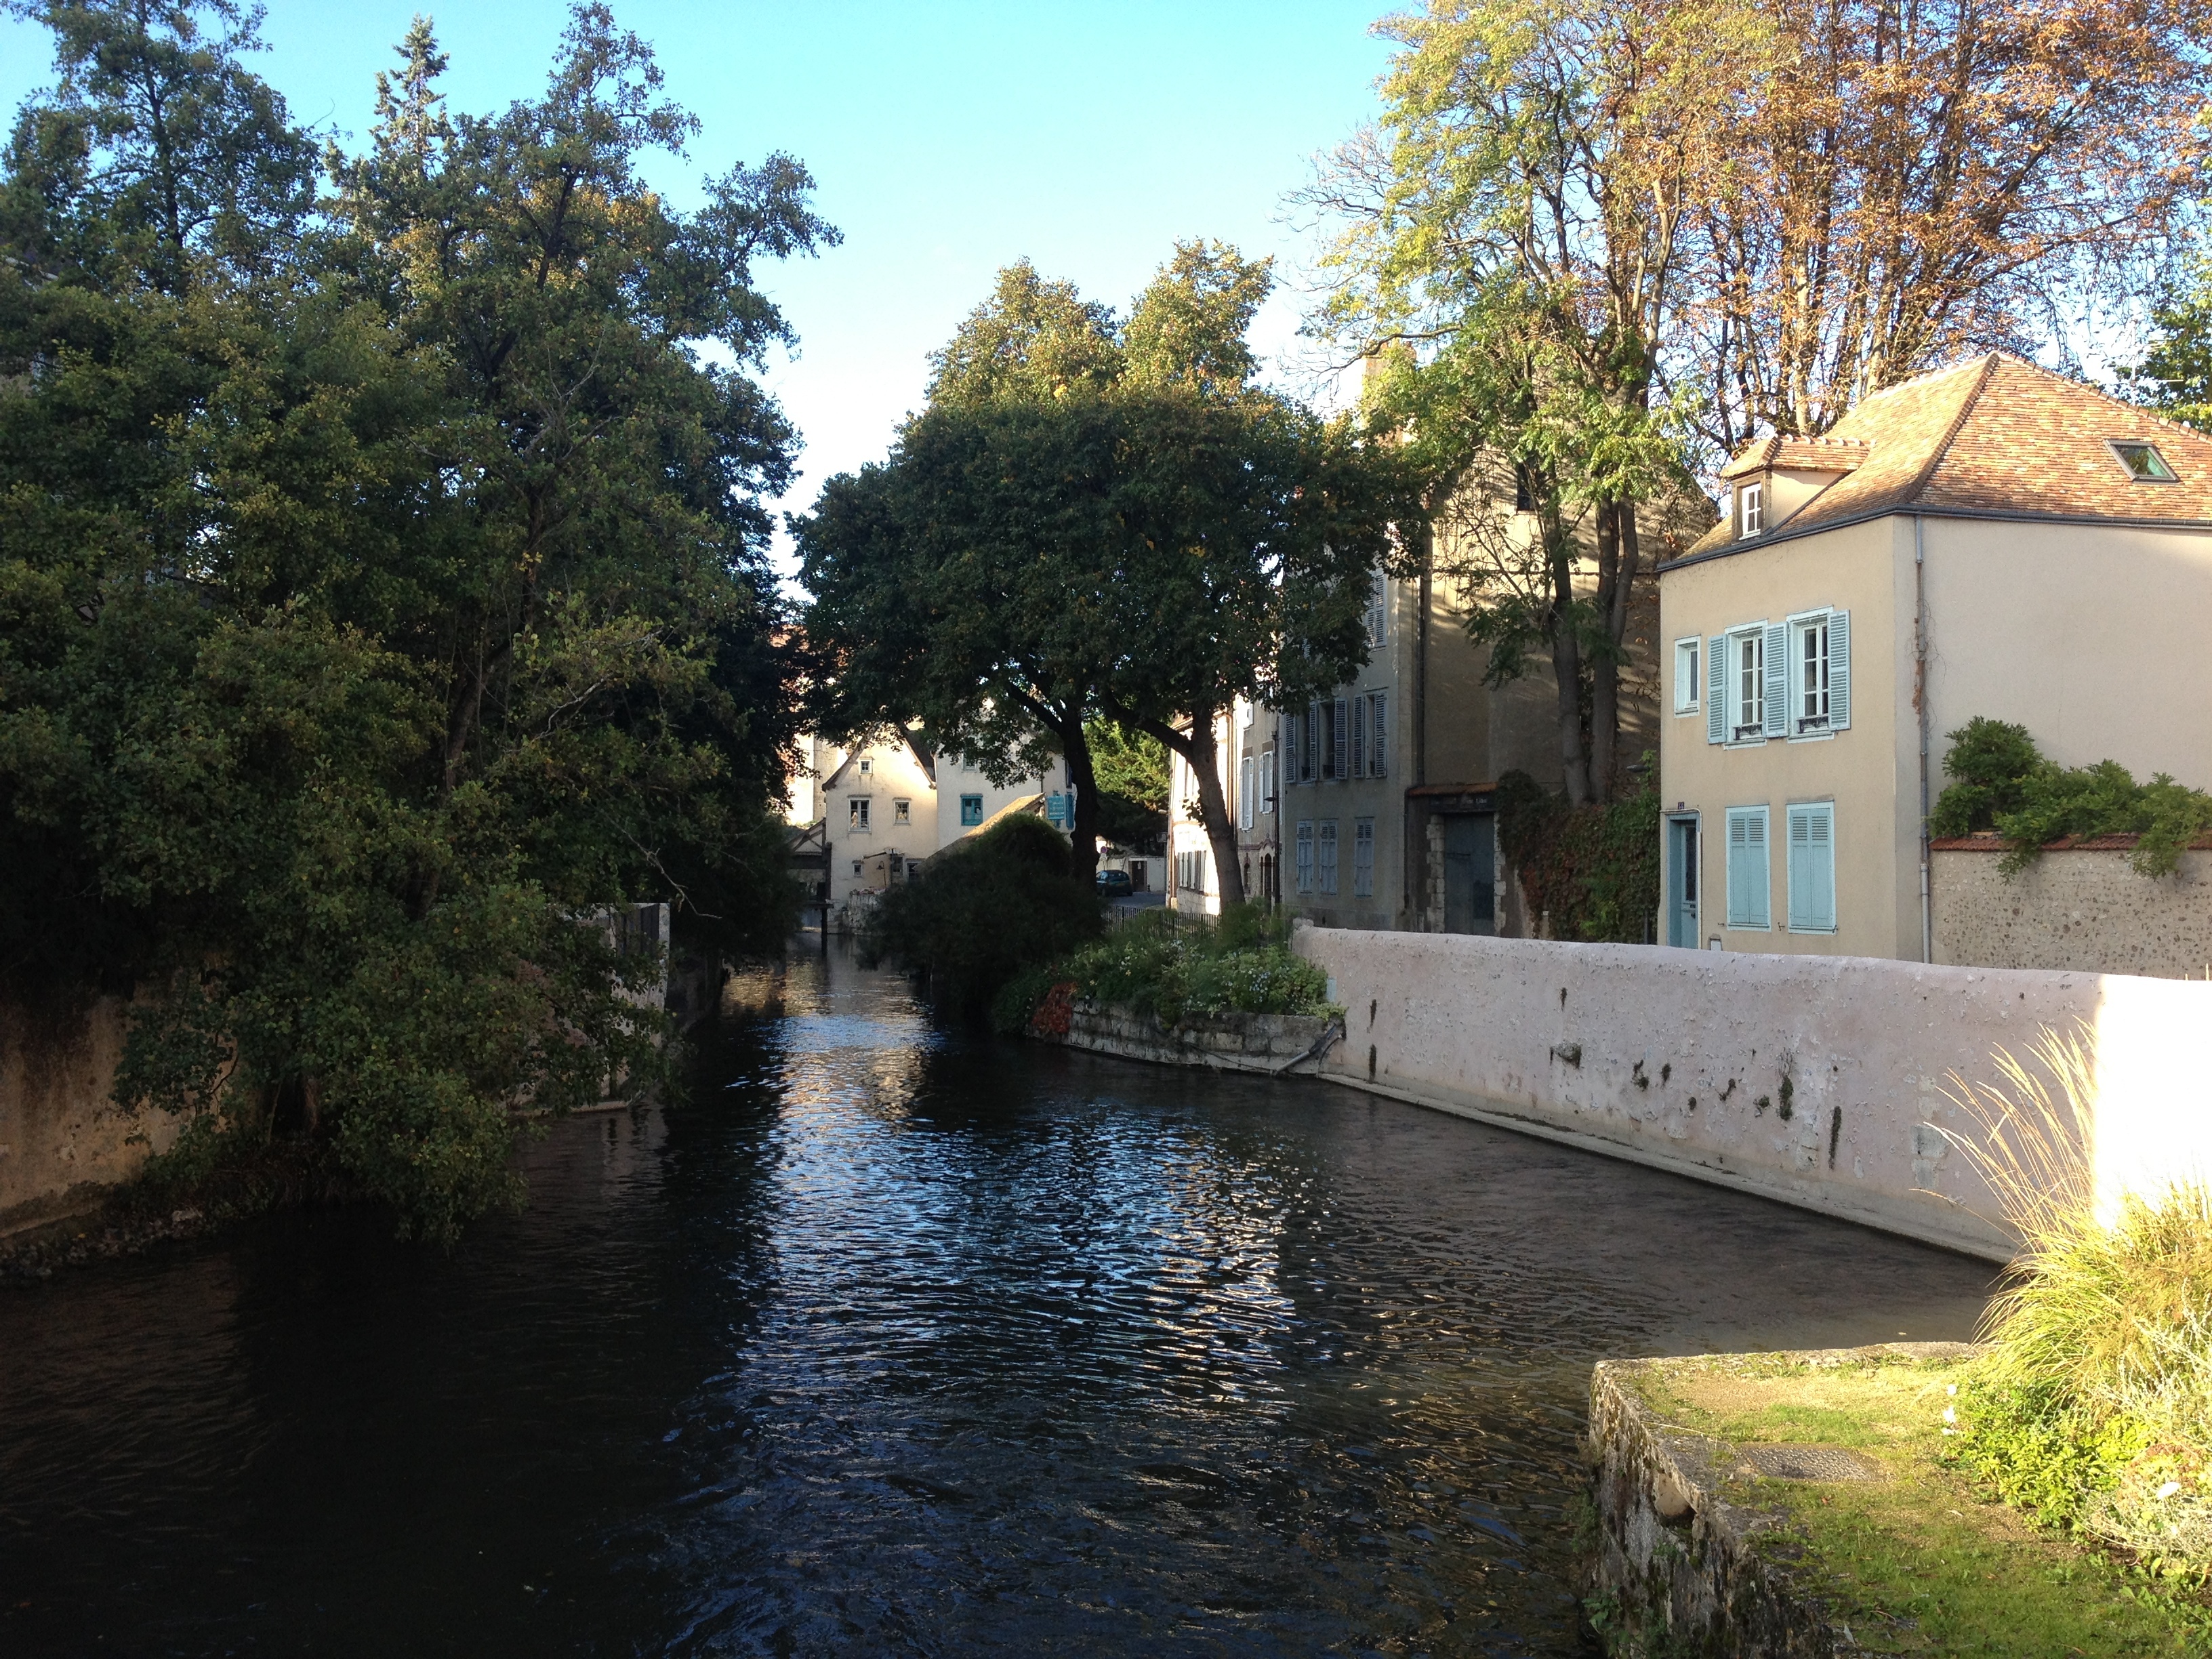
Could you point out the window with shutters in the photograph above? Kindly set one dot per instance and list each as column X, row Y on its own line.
column 1749, row 882
column 1820, row 668
column 1811, row 828
column 1305, row 864
column 1378, row 723
column 1688, row 685
column 1362, row 858
column 1325, row 854
column 1244, row 793
column 1744, row 684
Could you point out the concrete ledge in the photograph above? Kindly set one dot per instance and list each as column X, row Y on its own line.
column 1680, row 1568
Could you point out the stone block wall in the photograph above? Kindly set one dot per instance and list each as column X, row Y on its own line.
column 61, row 1140
column 2081, row 908
column 1229, row 1043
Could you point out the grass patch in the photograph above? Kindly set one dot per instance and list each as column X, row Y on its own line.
column 1928, row 1560
column 1182, row 966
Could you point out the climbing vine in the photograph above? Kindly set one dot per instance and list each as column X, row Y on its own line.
column 1593, row 870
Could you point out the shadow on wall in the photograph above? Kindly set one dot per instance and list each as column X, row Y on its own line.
column 61, row 1141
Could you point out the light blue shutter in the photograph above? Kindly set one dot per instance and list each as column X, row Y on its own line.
column 1748, row 876
column 1799, row 831
column 1717, row 689
column 1776, row 664
column 1839, row 670
column 1820, row 861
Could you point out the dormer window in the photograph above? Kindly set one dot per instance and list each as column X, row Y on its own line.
column 1752, row 504
column 2144, row 464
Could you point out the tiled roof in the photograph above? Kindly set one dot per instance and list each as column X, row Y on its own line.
column 1829, row 454
column 1995, row 434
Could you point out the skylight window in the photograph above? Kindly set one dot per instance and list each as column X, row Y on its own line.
column 2144, row 464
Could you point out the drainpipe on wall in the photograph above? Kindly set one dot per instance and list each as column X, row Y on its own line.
column 1920, row 704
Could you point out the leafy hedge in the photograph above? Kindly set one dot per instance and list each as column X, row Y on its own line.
column 2002, row 781
column 1594, row 869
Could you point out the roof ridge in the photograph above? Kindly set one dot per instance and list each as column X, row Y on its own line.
column 1936, row 458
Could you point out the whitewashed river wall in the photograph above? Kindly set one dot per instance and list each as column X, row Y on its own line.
column 1816, row 1080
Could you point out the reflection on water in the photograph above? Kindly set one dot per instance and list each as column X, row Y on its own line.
column 892, row 1341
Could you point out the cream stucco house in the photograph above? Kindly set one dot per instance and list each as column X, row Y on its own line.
column 1990, row 539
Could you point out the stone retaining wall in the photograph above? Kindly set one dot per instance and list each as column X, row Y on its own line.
column 2081, row 908
column 1275, row 1043
column 1675, row 1567
column 61, row 1141
column 1817, row 1080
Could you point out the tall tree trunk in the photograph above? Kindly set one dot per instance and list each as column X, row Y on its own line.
column 1567, row 666
column 1605, row 664
column 1082, row 778
column 1199, row 751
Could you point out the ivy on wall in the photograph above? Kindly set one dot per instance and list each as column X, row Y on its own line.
column 1593, row 870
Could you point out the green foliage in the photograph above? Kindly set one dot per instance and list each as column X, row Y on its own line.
column 383, row 590
column 2004, row 783
column 1132, row 773
column 1991, row 761
column 2176, row 376
column 1177, row 967
column 982, row 911
column 1594, row 869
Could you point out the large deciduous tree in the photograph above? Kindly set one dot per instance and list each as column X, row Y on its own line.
column 384, row 586
column 1087, row 521
column 1592, row 225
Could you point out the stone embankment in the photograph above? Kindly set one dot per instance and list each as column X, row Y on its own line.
column 1275, row 1044
column 1675, row 1565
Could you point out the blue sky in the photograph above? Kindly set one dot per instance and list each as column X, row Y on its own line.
column 947, row 139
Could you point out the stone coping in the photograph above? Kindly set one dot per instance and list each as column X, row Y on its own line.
column 1273, row 1044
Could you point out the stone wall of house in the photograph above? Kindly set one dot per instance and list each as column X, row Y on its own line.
column 2081, row 908
column 1819, row 1081
column 61, row 1140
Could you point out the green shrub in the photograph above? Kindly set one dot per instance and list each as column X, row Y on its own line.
column 1178, row 967
column 983, row 911
column 2002, row 781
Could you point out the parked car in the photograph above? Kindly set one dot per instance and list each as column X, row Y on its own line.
column 1115, row 884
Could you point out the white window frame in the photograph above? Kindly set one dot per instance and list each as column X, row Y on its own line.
column 1362, row 858
column 857, row 814
column 1267, row 780
column 1244, row 810
column 1689, row 683
column 1751, row 499
column 1810, row 817
column 1325, row 861
column 1305, row 855
column 901, row 812
column 1747, row 920
column 1735, row 728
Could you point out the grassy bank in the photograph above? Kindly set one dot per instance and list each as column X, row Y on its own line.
column 1928, row 1557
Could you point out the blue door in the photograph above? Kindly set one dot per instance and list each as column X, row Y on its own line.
column 1683, row 881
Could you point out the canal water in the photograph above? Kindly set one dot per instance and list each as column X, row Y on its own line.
column 895, row 1340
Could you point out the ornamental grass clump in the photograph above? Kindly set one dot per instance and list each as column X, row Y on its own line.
column 2093, row 1404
